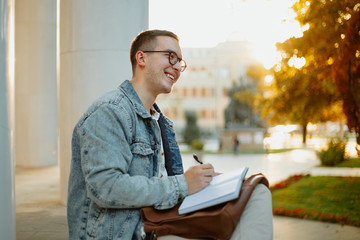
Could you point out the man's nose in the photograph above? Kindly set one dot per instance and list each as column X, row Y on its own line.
column 177, row 66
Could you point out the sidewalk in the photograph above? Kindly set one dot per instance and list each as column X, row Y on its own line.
column 340, row 172
column 40, row 216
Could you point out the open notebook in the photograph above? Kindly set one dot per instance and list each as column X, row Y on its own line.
column 222, row 188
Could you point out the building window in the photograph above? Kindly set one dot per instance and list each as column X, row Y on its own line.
column 194, row 90
column 203, row 92
column 225, row 92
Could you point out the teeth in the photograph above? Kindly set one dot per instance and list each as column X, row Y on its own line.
column 170, row 76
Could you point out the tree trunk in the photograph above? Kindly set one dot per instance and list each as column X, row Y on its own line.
column 358, row 144
column 304, row 132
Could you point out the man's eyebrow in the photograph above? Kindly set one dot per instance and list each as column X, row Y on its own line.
column 170, row 50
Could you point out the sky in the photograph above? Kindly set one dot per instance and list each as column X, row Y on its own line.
column 205, row 23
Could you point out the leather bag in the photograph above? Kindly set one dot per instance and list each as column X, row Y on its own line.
column 216, row 222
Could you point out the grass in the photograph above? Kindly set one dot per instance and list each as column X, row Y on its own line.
column 328, row 199
column 350, row 163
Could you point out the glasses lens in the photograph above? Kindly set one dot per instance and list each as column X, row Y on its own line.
column 182, row 65
column 173, row 58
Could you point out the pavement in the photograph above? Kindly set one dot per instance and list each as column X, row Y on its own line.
column 41, row 216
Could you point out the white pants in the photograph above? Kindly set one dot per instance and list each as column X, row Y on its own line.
column 256, row 222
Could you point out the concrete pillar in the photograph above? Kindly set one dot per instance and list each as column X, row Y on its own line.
column 95, row 39
column 35, row 83
column 7, row 188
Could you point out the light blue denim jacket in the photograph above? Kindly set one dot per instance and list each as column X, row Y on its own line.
column 114, row 168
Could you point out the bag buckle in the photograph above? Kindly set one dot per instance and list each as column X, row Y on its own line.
column 151, row 236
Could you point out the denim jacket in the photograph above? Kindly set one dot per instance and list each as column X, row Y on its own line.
column 114, row 168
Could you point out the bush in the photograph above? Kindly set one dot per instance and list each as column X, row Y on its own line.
column 197, row 145
column 192, row 130
column 334, row 153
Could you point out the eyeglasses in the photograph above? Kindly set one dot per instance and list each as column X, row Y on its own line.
column 173, row 58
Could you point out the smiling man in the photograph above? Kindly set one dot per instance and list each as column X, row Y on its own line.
column 118, row 155
column 124, row 152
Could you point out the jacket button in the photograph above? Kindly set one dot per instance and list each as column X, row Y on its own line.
column 152, row 143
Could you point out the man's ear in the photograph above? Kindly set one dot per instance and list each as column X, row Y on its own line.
column 140, row 59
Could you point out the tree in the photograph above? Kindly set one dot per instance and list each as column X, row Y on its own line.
column 297, row 97
column 240, row 111
column 347, row 73
column 330, row 76
column 191, row 131
column 332, row 45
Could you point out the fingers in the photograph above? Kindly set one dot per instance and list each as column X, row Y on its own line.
column 198, row 177
column 208, row 169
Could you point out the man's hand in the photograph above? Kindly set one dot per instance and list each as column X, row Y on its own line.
column 198, row 177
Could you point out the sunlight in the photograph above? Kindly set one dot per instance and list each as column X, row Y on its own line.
column 206, row 23
column 268, row 80
column 297, row 62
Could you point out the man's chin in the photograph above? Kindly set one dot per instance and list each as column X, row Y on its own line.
column 167, row 90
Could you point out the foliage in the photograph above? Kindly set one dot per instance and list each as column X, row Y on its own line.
column 331, row 75
column 191, row 130
column 197, row 144
column 319, row 198
column 331, row 48
column 334, row 153
column 286, row 182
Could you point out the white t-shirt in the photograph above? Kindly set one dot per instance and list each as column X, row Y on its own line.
column 161, row 164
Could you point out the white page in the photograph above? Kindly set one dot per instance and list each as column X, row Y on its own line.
column 227, row 176
column 222, row 188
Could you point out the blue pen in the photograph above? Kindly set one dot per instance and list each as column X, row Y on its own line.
column 197, row 159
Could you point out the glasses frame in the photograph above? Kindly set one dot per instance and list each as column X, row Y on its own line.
column 177, row 59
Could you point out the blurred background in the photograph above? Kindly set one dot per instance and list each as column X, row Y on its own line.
column 268, row 73
column 263, row 77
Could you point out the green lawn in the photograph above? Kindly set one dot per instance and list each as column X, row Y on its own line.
column 351, row 163
column 330, row 199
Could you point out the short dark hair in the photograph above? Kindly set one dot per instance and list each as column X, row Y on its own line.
column 146, row 41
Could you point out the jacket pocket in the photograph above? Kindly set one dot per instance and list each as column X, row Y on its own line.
column 141, row 148
column 142, row 159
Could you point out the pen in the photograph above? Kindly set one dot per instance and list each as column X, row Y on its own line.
column 197, row 159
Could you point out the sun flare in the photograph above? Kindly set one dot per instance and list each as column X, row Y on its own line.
column 260, row 22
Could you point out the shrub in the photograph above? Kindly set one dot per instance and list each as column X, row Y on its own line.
column 334, row 153
column 197, row 144
column 192, row 130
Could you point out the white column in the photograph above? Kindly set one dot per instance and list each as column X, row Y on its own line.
column 35, row 83
column 95, row 39
column 7, row 188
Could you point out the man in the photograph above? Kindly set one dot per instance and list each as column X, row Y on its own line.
column 124, row 151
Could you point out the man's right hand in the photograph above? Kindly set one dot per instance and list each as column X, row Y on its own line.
column 198, row 177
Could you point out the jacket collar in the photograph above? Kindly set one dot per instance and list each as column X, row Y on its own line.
column 127, row 88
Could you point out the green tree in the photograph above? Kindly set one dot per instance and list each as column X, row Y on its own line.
column 191, row 131
column 240, row 112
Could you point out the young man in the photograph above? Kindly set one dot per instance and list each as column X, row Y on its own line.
column 124, row 151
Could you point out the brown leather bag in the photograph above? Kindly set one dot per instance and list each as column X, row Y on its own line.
column 217, row 222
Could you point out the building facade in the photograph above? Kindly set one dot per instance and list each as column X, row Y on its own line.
column 203, row 86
